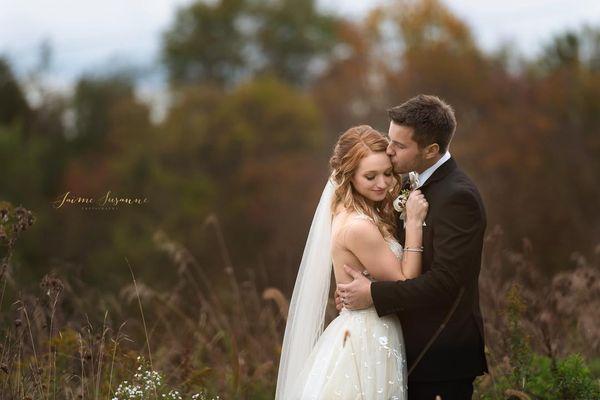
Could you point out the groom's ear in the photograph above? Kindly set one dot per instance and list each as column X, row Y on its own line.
column 432, row 151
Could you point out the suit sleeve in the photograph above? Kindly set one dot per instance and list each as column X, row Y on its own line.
column 457, row 239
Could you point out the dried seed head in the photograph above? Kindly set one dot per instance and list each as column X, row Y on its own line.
column 51, row 285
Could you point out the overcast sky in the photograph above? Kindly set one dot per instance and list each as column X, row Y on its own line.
column 86, row 35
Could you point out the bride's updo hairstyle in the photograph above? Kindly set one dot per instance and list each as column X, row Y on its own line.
column 354, row 145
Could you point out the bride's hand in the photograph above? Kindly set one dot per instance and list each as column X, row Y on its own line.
column 416, row 207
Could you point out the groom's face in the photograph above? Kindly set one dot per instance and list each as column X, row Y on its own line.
column 403, row 151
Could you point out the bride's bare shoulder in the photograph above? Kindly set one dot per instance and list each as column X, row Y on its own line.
column 352, row 223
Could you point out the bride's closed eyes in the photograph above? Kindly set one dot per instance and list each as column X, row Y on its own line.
column 371, row 176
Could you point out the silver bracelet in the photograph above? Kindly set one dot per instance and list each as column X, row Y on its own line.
column 414, row 249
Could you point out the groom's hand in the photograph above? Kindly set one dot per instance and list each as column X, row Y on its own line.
column 355, row 295
column 338, row 300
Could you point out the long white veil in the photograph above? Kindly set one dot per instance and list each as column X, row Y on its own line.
column 306, row 315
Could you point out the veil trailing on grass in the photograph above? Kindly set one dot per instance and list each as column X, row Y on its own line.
column 306, row 315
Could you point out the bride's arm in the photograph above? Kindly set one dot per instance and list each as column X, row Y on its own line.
column 411, row 258
column 416, row 211
column 365, row 241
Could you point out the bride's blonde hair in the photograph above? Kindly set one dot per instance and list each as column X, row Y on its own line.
column 354, row 145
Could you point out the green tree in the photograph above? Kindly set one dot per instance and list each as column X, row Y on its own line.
column 205, row 43
column 222, row 43
column 564, row 51
column 92, row 102
column 292, row 36
column 256, row 148
column 13, row 105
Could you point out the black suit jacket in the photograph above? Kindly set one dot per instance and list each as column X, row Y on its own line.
column 452, row 241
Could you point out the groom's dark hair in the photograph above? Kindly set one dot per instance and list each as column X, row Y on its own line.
column 430, row 117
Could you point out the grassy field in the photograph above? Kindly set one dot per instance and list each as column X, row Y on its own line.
column 219, row 336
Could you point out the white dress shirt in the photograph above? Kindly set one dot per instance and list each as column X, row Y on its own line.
column 429, row 171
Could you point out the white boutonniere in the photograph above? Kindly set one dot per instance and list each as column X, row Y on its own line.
column 400, row 201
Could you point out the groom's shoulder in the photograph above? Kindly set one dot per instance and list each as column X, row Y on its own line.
column 463, row 180
column 459, row 184
column 459, row 179
column 463, row 190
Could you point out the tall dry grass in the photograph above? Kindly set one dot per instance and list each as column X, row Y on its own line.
column 538, row 324
column 221, row 333
column 220, row 338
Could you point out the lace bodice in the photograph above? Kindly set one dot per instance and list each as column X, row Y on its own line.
column 395, row 247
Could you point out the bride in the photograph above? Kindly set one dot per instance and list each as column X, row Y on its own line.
column 359, row 355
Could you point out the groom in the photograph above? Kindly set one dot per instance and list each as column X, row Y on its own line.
column 420, row 132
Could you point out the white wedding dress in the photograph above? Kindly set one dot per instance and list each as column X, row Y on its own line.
column 359, row 356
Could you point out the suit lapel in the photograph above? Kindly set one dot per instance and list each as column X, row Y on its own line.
column 400, row 234
column 440, row 173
